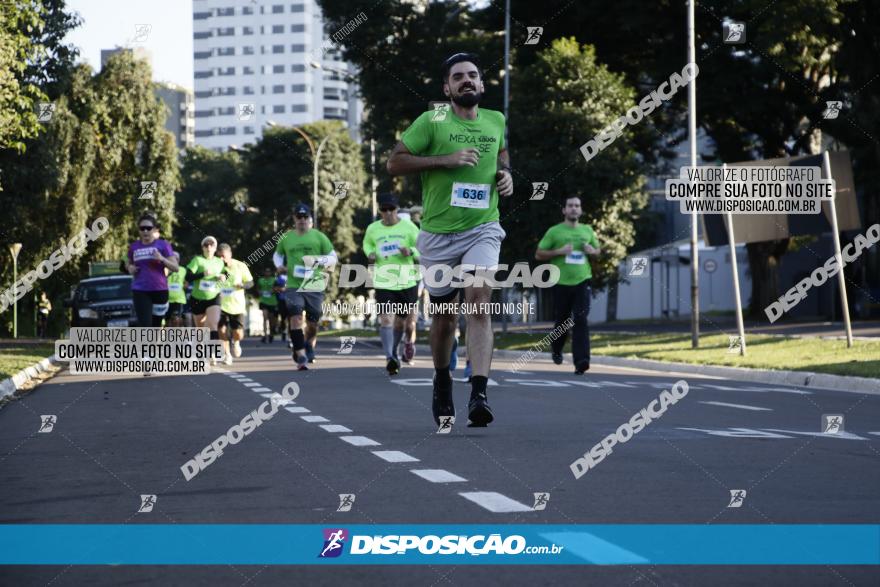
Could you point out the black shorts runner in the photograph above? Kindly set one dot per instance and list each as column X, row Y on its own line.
column 234, row 321
column 273, row 309
column 175, row 309
column 400, row 302
column 199, row 307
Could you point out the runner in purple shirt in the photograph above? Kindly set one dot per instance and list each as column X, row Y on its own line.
column 147, row 260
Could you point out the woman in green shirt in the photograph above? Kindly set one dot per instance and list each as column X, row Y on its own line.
column 206, row 272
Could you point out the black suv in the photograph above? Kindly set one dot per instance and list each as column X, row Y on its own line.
column 102, row 301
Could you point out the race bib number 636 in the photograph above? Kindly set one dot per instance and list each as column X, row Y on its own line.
column 471, row 195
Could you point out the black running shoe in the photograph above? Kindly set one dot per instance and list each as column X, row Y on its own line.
column 442, row 404
column 301, row 363
column 581, row 367
column 479, row 412
column 393, row 366
column 557, row 358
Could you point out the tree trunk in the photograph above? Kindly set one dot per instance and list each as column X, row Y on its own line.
column 764, row 258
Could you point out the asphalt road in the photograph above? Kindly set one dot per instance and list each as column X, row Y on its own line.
column 354, row 430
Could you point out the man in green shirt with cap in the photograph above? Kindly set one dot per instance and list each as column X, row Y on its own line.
column 567, row 245
column 390, row 244
column 460, row 153
column 304, row 253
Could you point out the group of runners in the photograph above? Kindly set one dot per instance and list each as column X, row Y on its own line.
column 461, row 156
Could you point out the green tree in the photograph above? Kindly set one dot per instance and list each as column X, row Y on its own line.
column 19, row 97
column 105, row 137
column 583, row 97
column 213, row 201
column 280, row 175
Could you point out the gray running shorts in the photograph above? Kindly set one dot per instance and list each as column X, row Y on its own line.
column 479, row 246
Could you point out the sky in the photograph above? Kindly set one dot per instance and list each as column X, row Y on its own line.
column 108, row 23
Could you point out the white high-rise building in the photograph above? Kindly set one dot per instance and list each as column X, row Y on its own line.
column 263, row 62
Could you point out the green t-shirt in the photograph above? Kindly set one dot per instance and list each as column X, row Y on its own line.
column 267, row 294
column 393, row 271
column 206, row 288
column 294, row 247
column 575, row 267
column 457, row 199
column 232, row 299
column 176, row 287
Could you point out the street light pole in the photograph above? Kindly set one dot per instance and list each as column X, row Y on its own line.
column 14, row 248
column 692, row 140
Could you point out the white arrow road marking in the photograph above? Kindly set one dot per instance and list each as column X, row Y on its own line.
column 740, row 406
column 438, row 476
column 843, row 435
column 393, row 456
column 738, row 433
column 495, row 502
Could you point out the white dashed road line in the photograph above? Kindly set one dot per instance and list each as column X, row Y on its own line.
column 438, row 476
column 335, row 428
column 495, row 502
column 394, row 456
column 359, row 441
column 314, row 418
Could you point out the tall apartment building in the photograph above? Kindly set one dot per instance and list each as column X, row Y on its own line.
column 179, row 100
column 262, row 62
column 181, row 113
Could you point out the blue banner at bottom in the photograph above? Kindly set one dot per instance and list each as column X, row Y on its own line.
column 414, row 544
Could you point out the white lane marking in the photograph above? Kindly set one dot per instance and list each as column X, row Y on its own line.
column 253, row 384
column 297, row 410
column 740, row 406
column 842, row 435
column 495, row 502
column 429, row 382
column 267, row 394
column 660, row 386
column 614, row 384
column 874, row 433
column 438, row 476
column 738, row 433
column 394, row 456
column 594, row 549
column 359, row 440
column 314, row 418
column 245, row 380
column 537, row 382
column 262, row 389
column 582, row 383
column 335, row 428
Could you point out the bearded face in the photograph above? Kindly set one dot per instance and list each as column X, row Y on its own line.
column 464, row 85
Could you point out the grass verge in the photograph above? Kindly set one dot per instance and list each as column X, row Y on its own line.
column 14, row 359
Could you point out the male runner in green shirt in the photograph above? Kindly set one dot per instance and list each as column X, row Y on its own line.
column 304, row 253
column 176, row 294
column 268, row 304
column 567, row 246
column 390, row 243
column 233, row 303
column 460, row 152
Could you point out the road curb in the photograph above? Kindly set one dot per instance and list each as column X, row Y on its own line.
column 11, row 385
column 802, row 379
